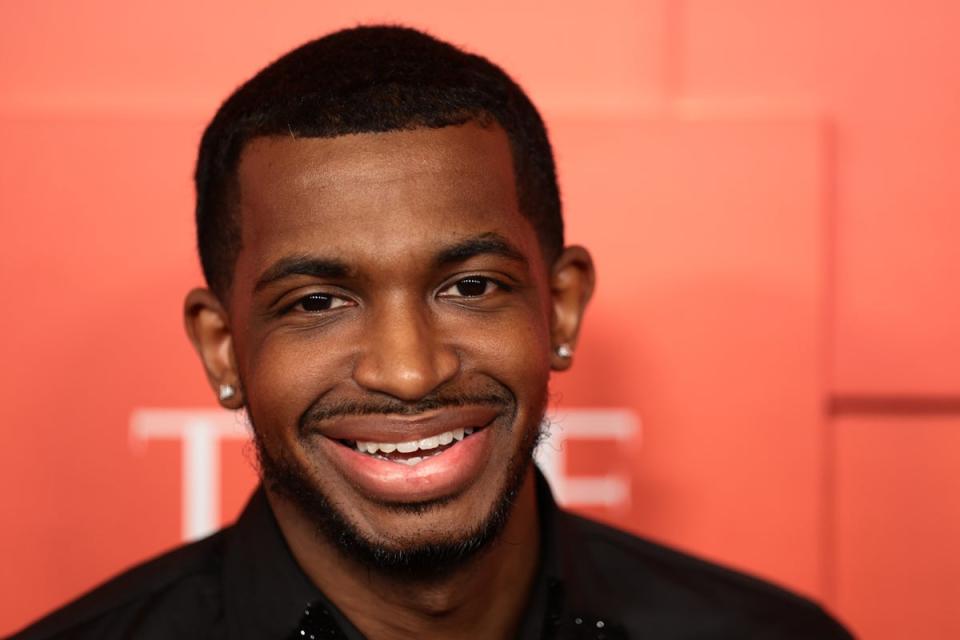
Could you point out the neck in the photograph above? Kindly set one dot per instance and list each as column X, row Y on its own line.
column 485, row 598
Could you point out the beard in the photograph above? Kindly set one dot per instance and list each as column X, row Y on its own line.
column 412, row 560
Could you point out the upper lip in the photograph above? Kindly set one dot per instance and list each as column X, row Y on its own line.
column 404, row 428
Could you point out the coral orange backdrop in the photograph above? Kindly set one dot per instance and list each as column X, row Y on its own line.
column 770, row 190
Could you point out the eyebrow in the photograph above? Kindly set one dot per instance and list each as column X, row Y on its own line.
column 486, row 243
column 306, row 265
column 301, row 266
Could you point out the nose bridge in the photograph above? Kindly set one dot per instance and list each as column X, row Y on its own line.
column 402, row 352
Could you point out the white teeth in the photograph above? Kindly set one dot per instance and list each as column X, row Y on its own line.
column 430, row 443
column 425, row 444
column 411, row 461
column 408, row 447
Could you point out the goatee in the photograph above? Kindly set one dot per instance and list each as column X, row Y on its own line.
column 428, row 560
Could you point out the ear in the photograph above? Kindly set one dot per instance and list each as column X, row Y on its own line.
column 208, row 326
column 571, row 286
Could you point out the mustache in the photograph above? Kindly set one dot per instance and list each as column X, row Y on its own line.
column 321, row 409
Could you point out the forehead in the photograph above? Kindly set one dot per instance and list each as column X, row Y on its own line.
column 385, row 201
column 376, row 196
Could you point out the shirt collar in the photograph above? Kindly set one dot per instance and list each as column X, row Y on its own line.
column 265, row 591
column 565, row 602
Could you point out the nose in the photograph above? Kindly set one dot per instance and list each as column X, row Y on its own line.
column 402, row 353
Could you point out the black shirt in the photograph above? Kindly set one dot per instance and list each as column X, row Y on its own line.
column 242, row 583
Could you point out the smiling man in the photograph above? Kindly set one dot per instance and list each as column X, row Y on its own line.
column 389, row 290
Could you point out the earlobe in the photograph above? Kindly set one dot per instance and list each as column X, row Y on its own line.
column 571, row 286
column 208, row 327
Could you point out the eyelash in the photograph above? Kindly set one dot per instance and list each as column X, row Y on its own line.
column 327, row 296
column 502, row 286
column 332, row 299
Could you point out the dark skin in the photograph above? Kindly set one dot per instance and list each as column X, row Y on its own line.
column 443, row 285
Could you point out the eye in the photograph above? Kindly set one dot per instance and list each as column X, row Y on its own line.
column 317, row 302
column 471, row 287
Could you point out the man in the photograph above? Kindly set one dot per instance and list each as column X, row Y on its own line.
column 380, row 228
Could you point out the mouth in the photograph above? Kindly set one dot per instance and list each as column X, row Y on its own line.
column 412, row 452
column 413, row 458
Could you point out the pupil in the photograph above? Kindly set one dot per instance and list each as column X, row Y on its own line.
column 472, row 287
column 316, row 302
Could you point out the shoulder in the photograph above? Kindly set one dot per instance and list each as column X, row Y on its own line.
column 673, row 594
column 183, row 583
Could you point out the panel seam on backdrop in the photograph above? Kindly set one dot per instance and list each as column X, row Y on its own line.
column 894, row 405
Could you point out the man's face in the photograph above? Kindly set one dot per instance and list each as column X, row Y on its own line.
column 389, row 292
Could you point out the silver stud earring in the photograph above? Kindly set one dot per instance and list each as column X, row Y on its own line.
column 564, row 351
column 227, row 391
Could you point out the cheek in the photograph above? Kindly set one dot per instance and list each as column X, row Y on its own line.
column 281, row 374
column 515, row 351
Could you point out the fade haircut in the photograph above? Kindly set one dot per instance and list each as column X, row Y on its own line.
column 366, row 80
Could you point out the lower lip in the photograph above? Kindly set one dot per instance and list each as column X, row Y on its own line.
column 442, row 475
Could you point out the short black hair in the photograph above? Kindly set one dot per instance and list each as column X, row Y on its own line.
column 364, row 80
